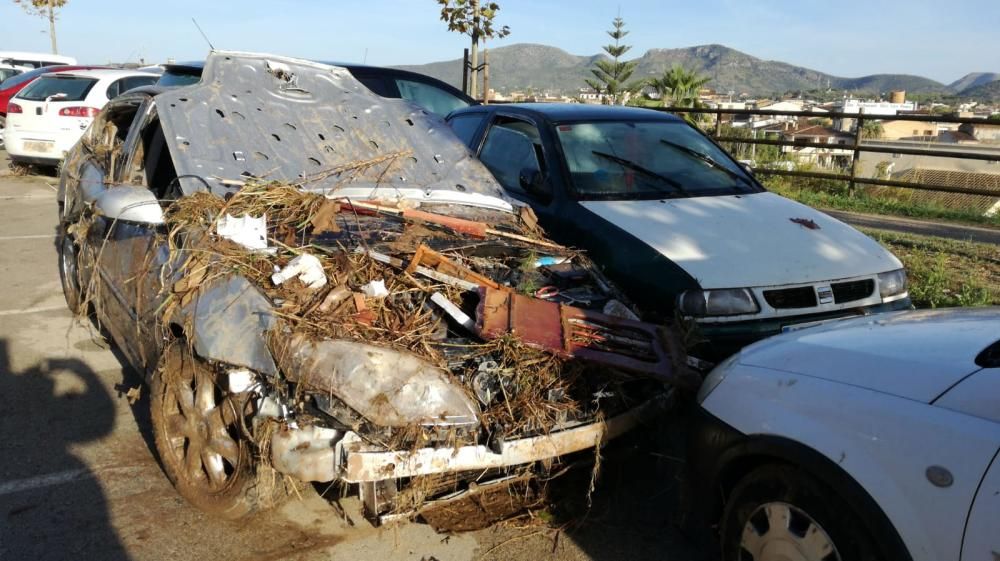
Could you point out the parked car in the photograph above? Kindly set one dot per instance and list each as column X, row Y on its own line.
column 430, row 93
column 48, row 116
column 677, row 222
column 371, row 356
column 870, row 438
column 28, row 61
column 10, row 86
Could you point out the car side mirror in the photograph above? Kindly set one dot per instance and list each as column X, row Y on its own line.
column 130, row 204
column 532, row 181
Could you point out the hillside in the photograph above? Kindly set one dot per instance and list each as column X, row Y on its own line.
column 541, row 67
column 986, row 93
column 973, row 80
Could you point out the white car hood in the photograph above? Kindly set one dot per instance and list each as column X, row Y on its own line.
column 748, row 240
column 913, row 354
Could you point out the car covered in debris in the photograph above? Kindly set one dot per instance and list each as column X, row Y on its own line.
column 322, row 283
column 863, row 438
column 678, row 223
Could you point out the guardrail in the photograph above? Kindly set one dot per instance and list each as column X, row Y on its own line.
column 858, row 146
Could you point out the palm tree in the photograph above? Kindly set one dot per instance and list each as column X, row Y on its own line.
column 872, row 130
column 679, row 87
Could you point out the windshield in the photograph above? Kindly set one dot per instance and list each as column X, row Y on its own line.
column 647, row 159
column 67, row 88
column 178, row 77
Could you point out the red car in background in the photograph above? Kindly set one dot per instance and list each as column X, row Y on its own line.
column 14, row 84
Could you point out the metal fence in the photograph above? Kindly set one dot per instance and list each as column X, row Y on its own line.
column 858, row 146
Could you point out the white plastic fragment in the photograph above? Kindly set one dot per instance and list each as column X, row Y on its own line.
column 375, row 289
column 240, row 380
column 452, row 310
column 306, row 267
column 248, row 231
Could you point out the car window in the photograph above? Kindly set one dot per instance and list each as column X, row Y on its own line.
column 431, row 98
column 5, row 74
column 466, row 125
column 21, row 78
column 67, row 88
column 133, row 82
column 174, row 78
column 377, row 84
column 512, row 147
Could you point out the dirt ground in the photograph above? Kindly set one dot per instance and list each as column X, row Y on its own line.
column 79, row 477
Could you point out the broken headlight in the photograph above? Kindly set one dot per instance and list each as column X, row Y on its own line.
column 388, row 387
column 892, row 285
column 724, row 302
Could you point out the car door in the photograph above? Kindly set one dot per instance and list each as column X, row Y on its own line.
column 982, row 541
column 123, row 256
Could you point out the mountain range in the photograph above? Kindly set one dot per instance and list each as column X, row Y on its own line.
column 544, row 68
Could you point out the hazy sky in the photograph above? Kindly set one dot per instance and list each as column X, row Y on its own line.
column 940, row 40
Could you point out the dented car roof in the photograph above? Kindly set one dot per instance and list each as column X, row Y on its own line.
column 286, row 119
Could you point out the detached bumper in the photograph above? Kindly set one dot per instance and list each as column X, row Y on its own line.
column 360, row 466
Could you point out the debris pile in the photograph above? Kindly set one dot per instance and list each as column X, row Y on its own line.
column 511, row 318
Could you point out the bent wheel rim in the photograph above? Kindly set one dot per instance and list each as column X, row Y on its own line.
column 202, row 428
column 67, row 261
column 778, row 531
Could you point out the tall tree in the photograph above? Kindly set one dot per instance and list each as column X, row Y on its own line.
column 470, row 18
column 611, row 76
column 46, row 9
column 679, row 87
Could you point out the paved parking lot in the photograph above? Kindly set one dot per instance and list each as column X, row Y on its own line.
column 79, row 478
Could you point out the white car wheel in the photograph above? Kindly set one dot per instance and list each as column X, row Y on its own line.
column 778, row 531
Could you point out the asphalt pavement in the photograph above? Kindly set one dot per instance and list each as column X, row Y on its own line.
column 79, row 478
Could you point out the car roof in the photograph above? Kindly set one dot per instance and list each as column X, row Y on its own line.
column 110, row 73
column 196, row 66
column 562, row 112
column 25, row 77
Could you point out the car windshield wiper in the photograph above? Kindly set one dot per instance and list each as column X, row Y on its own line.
column 706, row 159
column 643, row 170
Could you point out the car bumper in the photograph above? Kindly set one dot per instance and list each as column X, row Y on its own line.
column 27, row 146
column 724, row 339
column 353, row 462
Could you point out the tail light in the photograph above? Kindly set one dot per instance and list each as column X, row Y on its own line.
column 79, row 112
column 14, row 108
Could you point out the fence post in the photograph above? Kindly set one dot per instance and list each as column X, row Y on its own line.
column 857, row 150
column 465, row 72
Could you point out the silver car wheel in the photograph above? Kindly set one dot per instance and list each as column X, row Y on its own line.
column 779, row 531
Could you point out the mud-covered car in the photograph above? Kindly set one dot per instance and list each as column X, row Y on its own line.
column 324, row 284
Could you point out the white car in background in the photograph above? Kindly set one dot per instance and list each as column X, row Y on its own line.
column 46, row 118
column 872, row 438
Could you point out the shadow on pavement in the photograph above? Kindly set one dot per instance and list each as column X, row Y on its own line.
column 635, row 508
column 51, row 503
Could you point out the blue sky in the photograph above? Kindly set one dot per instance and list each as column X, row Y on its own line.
column 940, row 40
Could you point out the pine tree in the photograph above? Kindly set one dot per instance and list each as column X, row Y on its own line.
column 612, row 75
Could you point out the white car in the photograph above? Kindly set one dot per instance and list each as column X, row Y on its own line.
column 46, row 118
column 872, row 438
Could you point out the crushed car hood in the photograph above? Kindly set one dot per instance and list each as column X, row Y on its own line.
column 748, row 240
column 284, row 119
column 915, row 354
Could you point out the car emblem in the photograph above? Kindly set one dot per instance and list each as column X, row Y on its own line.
column 825, row 294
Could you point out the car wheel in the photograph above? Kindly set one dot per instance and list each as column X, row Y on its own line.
column 69, row 271
column 198, row 430
column 779, row 513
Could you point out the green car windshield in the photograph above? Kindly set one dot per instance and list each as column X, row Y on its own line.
column 611, row 160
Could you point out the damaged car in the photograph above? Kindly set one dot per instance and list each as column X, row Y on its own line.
column 323, row 285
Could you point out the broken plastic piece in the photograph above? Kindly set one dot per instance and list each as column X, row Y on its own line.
column 454, row 311
column 375, row 289
column 616, row 309
column 306, row 267
column 240, row 380
column 248, row 231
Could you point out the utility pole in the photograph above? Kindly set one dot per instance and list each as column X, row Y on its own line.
column 474, row 71
column 486, row 77
column 52, row 26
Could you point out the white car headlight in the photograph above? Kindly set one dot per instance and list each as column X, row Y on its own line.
column 892, row 283
column 724, row 302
